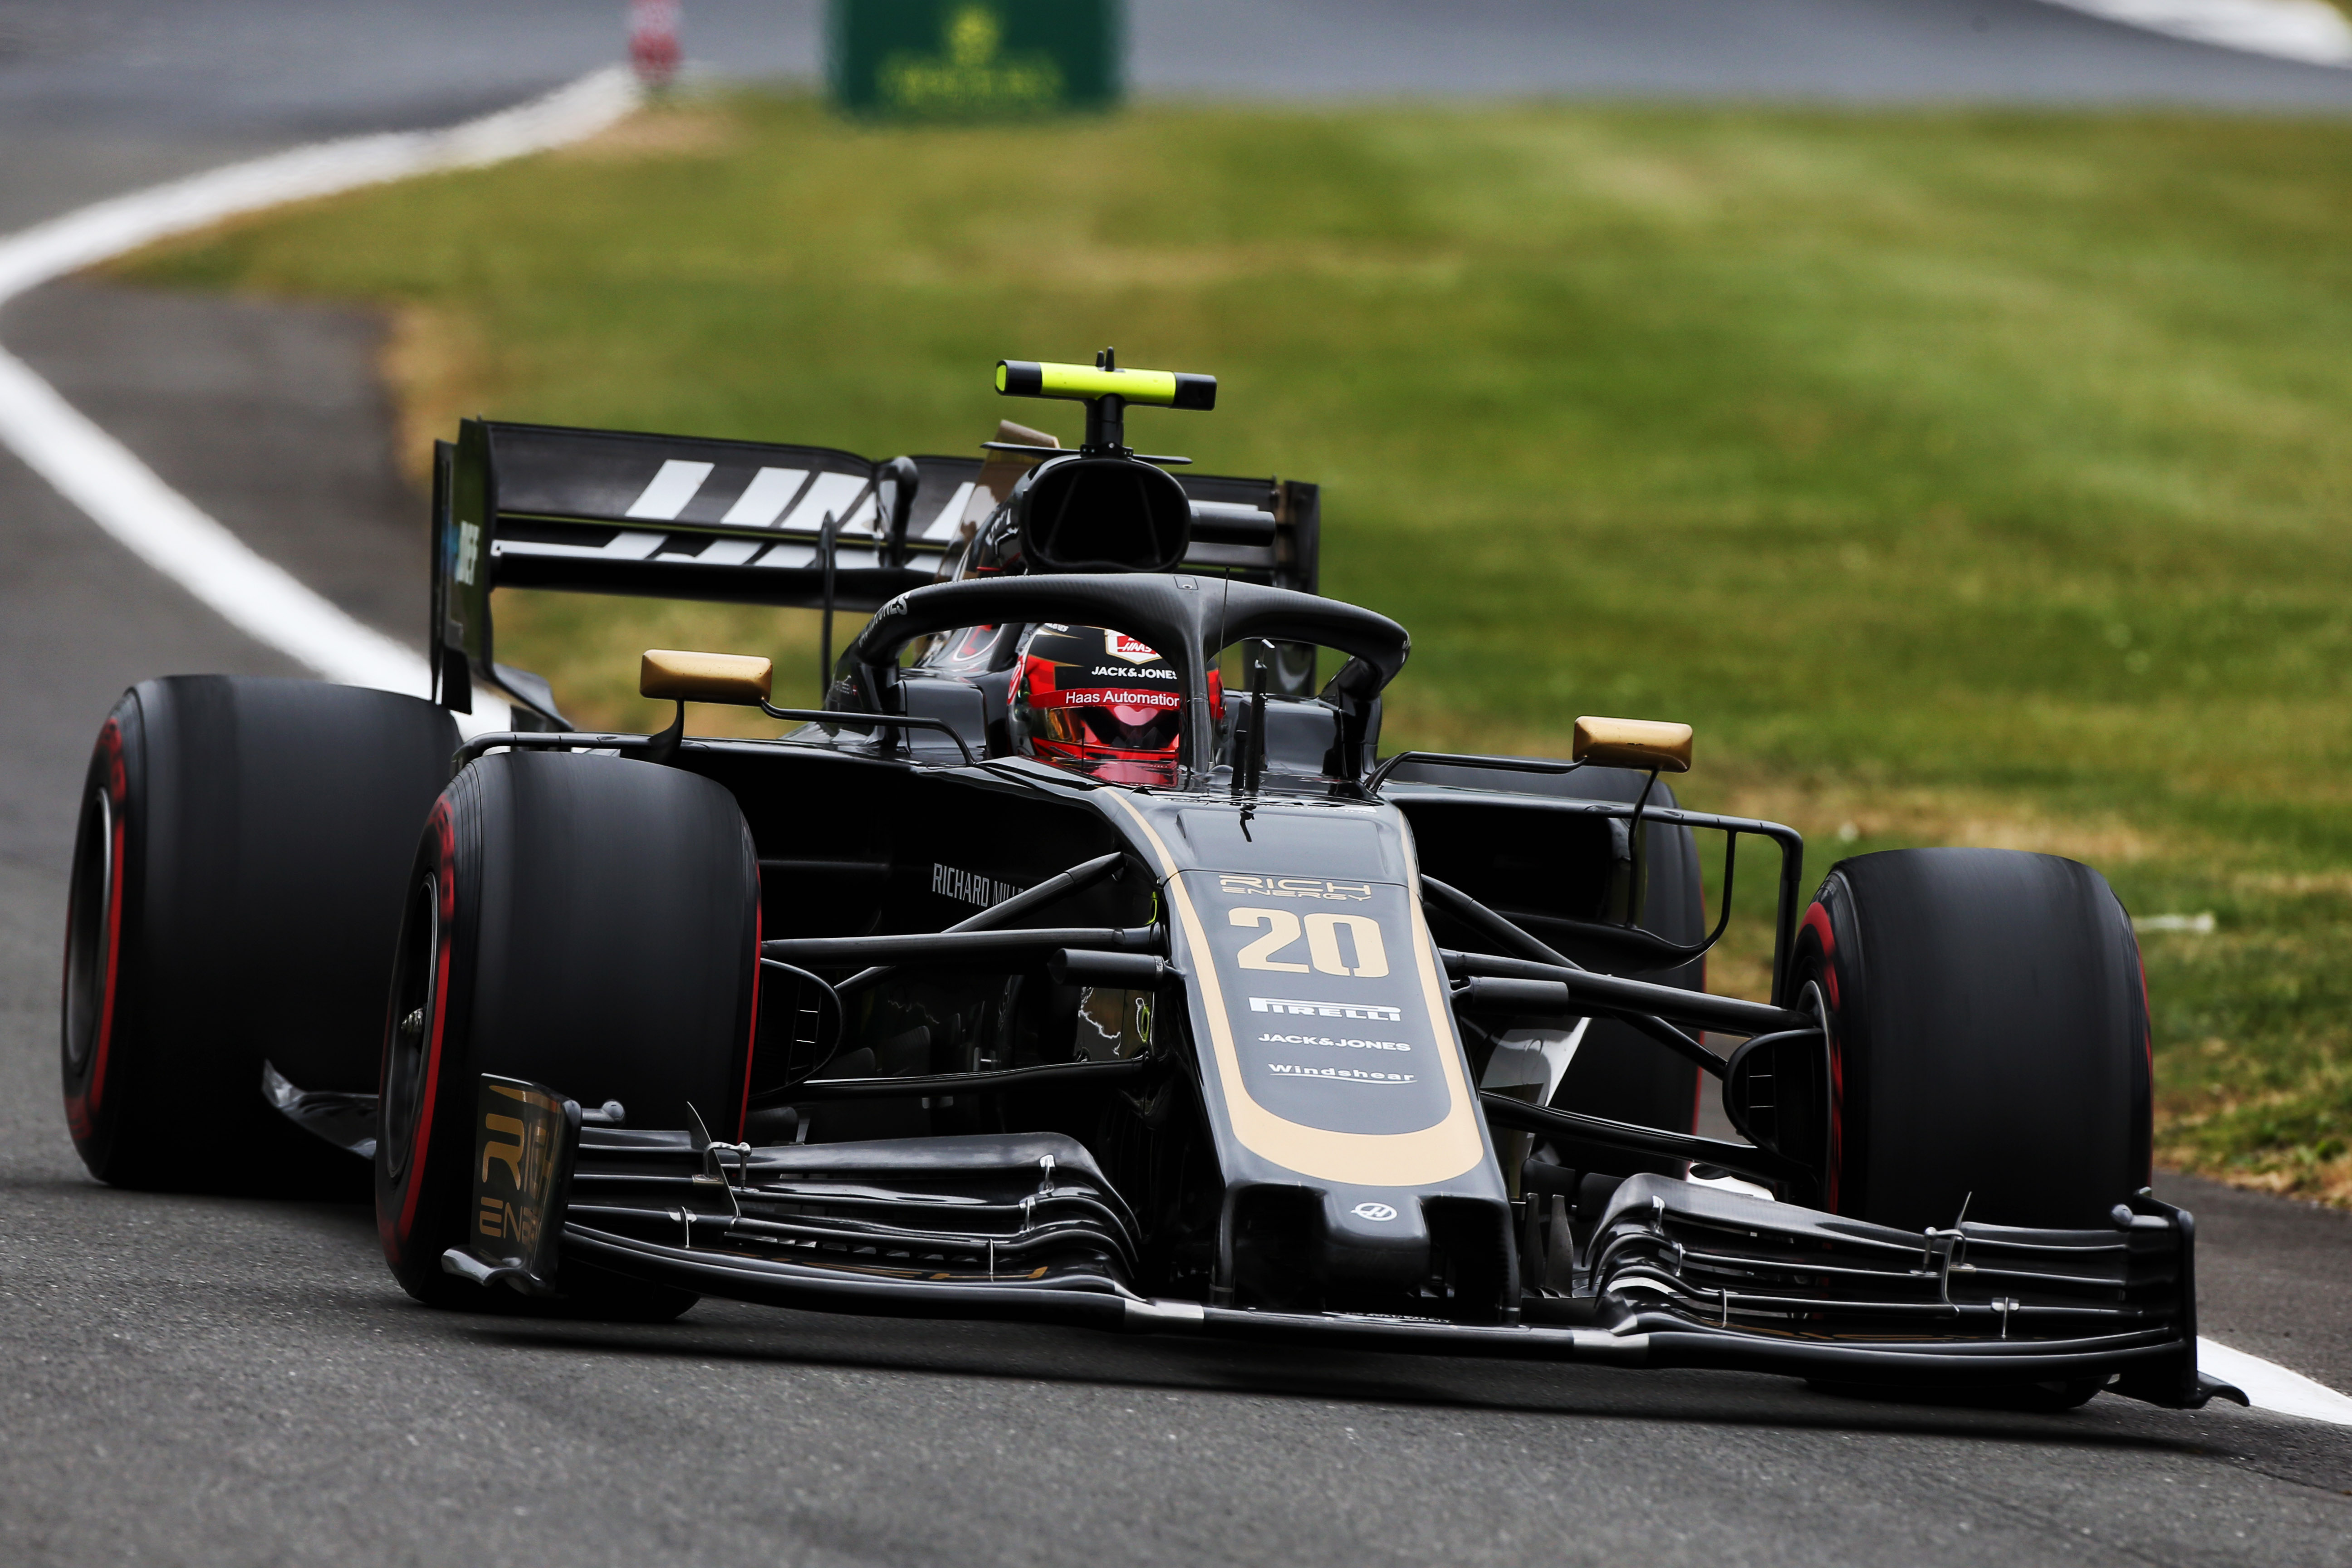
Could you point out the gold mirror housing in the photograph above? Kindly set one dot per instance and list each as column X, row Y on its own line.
column 1643, row 743
column 706, row 677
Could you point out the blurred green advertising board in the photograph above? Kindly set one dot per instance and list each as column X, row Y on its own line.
column 974, row 59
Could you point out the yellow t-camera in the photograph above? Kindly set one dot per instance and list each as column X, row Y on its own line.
column 1084, row 383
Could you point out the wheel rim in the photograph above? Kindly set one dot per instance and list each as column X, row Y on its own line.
column 89, row 922
column 409, row 1030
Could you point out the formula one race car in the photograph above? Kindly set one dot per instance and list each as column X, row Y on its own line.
column 1079, row 961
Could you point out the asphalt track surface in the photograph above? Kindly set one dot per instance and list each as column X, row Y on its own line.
column 199, row 1380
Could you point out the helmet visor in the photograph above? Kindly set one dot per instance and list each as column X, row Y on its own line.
column 1110, row 717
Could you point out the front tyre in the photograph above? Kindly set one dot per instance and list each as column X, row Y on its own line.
column 1989, row 1039
column 585, row 923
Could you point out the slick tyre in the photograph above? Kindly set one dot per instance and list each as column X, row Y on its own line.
column 1989, row 1039
column 587, row 923
column 234, row 893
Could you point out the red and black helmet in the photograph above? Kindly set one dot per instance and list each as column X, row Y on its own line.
column 1099, row 701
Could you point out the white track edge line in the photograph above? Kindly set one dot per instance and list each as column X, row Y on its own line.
column 122, row 494
column 2309, row 32
column 164, row 528
column 260, row 598
column 108, row 228
column 2272, row 1386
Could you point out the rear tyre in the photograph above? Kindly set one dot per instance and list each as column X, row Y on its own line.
column 1989, row 1038
column 235, row 892
column 585, row 923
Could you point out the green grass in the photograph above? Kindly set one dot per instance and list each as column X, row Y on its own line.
column 1963, row 477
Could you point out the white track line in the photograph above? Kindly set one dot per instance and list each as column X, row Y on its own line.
column 164, row 528
column 121, row 494
column 173, row 534
column 2272, row 1387
column 2311, row 31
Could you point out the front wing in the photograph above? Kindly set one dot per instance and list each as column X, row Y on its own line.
column 1024, row 1227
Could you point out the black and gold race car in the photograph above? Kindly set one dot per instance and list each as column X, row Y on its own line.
column 1081, row 961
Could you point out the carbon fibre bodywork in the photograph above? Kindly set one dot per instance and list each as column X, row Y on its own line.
column 1293, row 1043
column 1227, row 1065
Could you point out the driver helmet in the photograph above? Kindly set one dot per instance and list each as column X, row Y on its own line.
column 1101, row 703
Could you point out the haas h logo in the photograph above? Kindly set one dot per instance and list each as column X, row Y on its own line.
column 1125, row 646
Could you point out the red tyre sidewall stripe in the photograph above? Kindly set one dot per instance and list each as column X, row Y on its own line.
column 2147, row 1018
column 2147, row 1048
column 114, row 944
column 752, row 1041
column 81, row 1106
column 1817, row 920
column 445, row 893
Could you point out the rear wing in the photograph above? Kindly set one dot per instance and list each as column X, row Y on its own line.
column 675, row 517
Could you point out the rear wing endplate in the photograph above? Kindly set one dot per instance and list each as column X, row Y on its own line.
column 673, row 517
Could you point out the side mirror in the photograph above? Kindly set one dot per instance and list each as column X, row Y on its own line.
column 1644, row 745
column 706, row 677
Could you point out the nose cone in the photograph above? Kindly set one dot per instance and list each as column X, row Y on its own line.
column 1373, row 1237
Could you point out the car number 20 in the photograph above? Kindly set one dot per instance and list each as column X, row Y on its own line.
column 1323, row 946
